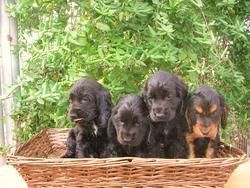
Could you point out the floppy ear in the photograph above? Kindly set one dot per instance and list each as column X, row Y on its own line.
column 111, row 129
column 186, row 112
column 181, row 89
column 150, row 133
column 224, row 114
column 181, row 92
column 104, row 108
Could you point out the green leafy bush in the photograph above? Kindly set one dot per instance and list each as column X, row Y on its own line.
column 120, row 43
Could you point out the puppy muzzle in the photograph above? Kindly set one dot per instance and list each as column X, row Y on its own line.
column 160, row 117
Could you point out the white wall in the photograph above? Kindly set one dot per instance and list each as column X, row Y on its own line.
column 9, row 70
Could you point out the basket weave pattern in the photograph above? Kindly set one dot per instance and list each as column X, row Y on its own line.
column 49, row 143
column 117, row 172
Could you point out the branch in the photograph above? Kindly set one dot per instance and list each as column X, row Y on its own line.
column 7, row 95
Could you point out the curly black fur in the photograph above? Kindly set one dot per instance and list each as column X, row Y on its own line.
column 129, row 129
column 90, row 109
column 164, row 94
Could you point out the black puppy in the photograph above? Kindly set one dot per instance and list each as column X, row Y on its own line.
column 205, row 109
column 164, row 94
column 90, row 109
column 129, row 129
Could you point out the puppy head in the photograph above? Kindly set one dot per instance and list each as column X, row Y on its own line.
column 128, row 122
column 88, row 102
column 205, row 107
column 163, row 94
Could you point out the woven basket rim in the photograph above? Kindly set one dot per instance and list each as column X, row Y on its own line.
column 88, row 162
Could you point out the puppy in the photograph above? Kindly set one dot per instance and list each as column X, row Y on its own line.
column 205, row 109
column 164, row 94
column 129, row 129
column 90, row 109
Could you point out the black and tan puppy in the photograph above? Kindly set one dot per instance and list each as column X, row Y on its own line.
column 129, row 129
column 205, row 110
column 90, row 109
column 164, row 94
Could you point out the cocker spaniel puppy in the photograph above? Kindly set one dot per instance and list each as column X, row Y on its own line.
column 164, row 94
column 129, row 129
column 90, row 109
column 205, row 110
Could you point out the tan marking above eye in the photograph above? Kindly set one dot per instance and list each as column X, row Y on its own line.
column 213, row 108
column 199, row 109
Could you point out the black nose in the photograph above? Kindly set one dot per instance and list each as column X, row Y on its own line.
column 157, row 110
column 73, row 115
column 75, row 110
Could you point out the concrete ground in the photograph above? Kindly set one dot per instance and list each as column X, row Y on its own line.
column 240, row 178
column 10, row 178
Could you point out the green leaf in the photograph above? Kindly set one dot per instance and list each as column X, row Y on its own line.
column 197, row 3
column 100, row 52
column 75, row 42
column 151, row 30
column 40, row 101
column 102, row 26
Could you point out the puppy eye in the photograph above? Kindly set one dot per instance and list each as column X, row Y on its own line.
column 85, row 99
column 199, row 110
column 212, row 113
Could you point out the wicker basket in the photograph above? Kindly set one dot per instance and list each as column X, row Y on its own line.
column 117, row 172
column 49, row 143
